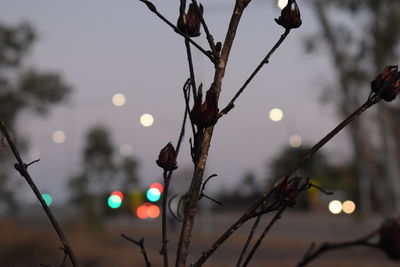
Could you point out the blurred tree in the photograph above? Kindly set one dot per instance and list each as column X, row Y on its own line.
column 22, row 88
column 362, row 37
column 100, row 175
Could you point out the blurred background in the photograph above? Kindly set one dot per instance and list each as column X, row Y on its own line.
column 94, row 90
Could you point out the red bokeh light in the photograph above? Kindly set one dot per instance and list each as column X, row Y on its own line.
column 118, row 193
column 158, row 186
column 141, row 212
column 153, row 211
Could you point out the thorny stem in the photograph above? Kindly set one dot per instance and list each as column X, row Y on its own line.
column 262, row 63
column 205, row 255
column 195, row 186
column 153, row 9
column 249, row 238
column 139, row 243
column 276, row 217
column 22, row 169
column 312, row 254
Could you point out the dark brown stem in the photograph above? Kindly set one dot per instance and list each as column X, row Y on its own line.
column 248, row 214
column 191, row 69
column 164, row 248
column 22, row 169
column 249, row 238
column 153, row 9
column 195, row 186
column 262, row 63
column 312, row 254
column 263, row 234
column 209, row 37
column 139, row 243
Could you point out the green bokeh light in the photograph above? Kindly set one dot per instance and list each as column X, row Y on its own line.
column 114, row 201
column 153, row 194
column 48, row 199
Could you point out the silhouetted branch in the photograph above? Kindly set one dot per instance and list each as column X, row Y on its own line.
column 203, row 187
column 153, row 9
column 139, row 243
column 249, row 238
column 276, row 217
column 313, row 253
column 21, row 167
column 231, row 104
column 170, row 208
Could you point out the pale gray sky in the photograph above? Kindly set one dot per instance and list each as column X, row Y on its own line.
column 105, row 47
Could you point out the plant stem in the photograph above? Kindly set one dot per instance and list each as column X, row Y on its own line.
column 22, row 169
column 139, row 243
column 253, row 74
column 249, row 238
column 164, row 248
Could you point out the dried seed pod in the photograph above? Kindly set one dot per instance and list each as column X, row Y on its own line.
column 167, row 158
column 190, row 23
column 290, row 16
column 384, row 81
column 389, row 238
column 288, row 190
column 205, row 114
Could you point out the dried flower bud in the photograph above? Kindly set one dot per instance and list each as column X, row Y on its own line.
column 205, row 114
column 389, row 238
column 167, row 158
column 290, row 16
column 384, row 81
column 190, row 23
column 288, row 190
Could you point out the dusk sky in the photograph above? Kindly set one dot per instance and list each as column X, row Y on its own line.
column 102, row 48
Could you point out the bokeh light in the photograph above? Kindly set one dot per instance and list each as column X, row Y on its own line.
column 295, row 140
column 118, row 193
column 153, row 211
column 114, row 201
column 146, row 120
column 141, row 212
column 158, row 186
column 282, row 3
column 118, row 100
column 153, row 194
column 125, row 150
column 349, row 207
column 59, row 137
column 335, row 206
column 276, row 114
column 48, row 199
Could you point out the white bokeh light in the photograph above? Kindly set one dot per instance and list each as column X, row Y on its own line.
column 282, row 3
column 125, row 150
column 59, row 137
column 276, row 114
column 295, row 141
column 335, row 206
column 118, row 100
column 146, row 120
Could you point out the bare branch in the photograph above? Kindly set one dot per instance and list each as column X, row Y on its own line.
column 140, row 244
column 22, row 169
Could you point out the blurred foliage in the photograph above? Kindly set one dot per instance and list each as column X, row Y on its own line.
column 101, row 174
column 22, row 88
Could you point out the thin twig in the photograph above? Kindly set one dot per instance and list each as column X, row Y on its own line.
column 263, row 197
column 249, row 238
column 209, row 37
column 260, row 239
column 191, row 68
column 153, row 9
column 21, row 167
column 139, row 243
column 262, row 63
column 312, row 253
column 170, row 208
column 203, row 187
